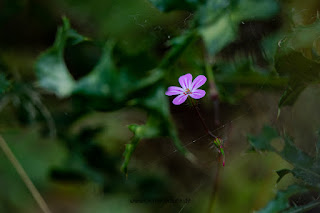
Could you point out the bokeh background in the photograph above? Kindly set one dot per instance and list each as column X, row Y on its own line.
column 73, row 154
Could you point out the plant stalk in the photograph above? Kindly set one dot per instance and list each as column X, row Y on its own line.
column 24, row 176
column 202, row 120
column 217, row 175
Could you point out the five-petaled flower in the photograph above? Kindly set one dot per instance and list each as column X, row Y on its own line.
column 189, row 88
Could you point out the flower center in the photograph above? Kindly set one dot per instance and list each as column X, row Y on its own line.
column 187, row 92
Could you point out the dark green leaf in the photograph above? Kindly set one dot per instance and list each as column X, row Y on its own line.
column 301, row 71
column 281, row 202
column 305, row 168
column 303, row 208
column 255, row 9
column 4, row 83
column 158, row 124
column 262, row 142
column 294, row 155
column 281, row 173
column 219, row 19
column 99, row 81
column 297, row 59
column 219, row 34
column 318, row 147
column 51, row 69
column 168, row 5
column 291, row 94
column 308, row 176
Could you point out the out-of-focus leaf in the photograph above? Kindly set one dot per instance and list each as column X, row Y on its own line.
column 67, row 175
column 219, row 20
column 294, row 155
column 50, row 67
column 301, row 71
column 301, row 37
column 262, row 142
column 109, row 86
column 303, row 208
column 106, row 80
column 308, row 176
column 158, row 124
column 281, row 202
column 4, row 83
column 297, row 58
column 305, row 168
column 254, row 9
column 112, row 83
column 99, row 81
column 244, row 73
column 291, row 94
column 168, row 5
column 219, row 34
column 178, row 44
column 281, row 173
column 318, row 147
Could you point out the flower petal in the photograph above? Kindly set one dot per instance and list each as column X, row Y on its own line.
column 198, row 93
column 180, row 99
column 173, row 90
column 198, row 82
column 185, row 81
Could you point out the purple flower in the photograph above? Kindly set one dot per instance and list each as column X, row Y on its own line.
column 189, row 88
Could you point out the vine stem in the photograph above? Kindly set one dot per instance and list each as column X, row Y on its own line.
column 217, row 176
column 24, row 176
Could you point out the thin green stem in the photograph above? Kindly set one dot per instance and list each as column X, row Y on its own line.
column 217, row 175
column 201, row 119
column 213, row 92
column 209, row 72
column 24, row 176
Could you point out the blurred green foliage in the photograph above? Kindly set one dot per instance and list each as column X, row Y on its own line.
column 4, row 84
column 305, row 167
column 298, row 58
column 125, row 57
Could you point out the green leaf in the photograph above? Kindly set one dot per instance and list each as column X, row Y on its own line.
column 4, row 84
column 303, row 208
column 262, row 142
column 111, row 86
column 307, row 175
column 281, row 201
column 291, row 94
column 99, row 81
column 294, row 155
column 318, row 147
column 169, row 5
column 219, row 19
column 158, row 124
column 297, row 58
column 301, row 72
column 305, row 168
column 50, row 67
column 219, row 34
column 281, row 173
column 255, row 9
column 179, row 45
